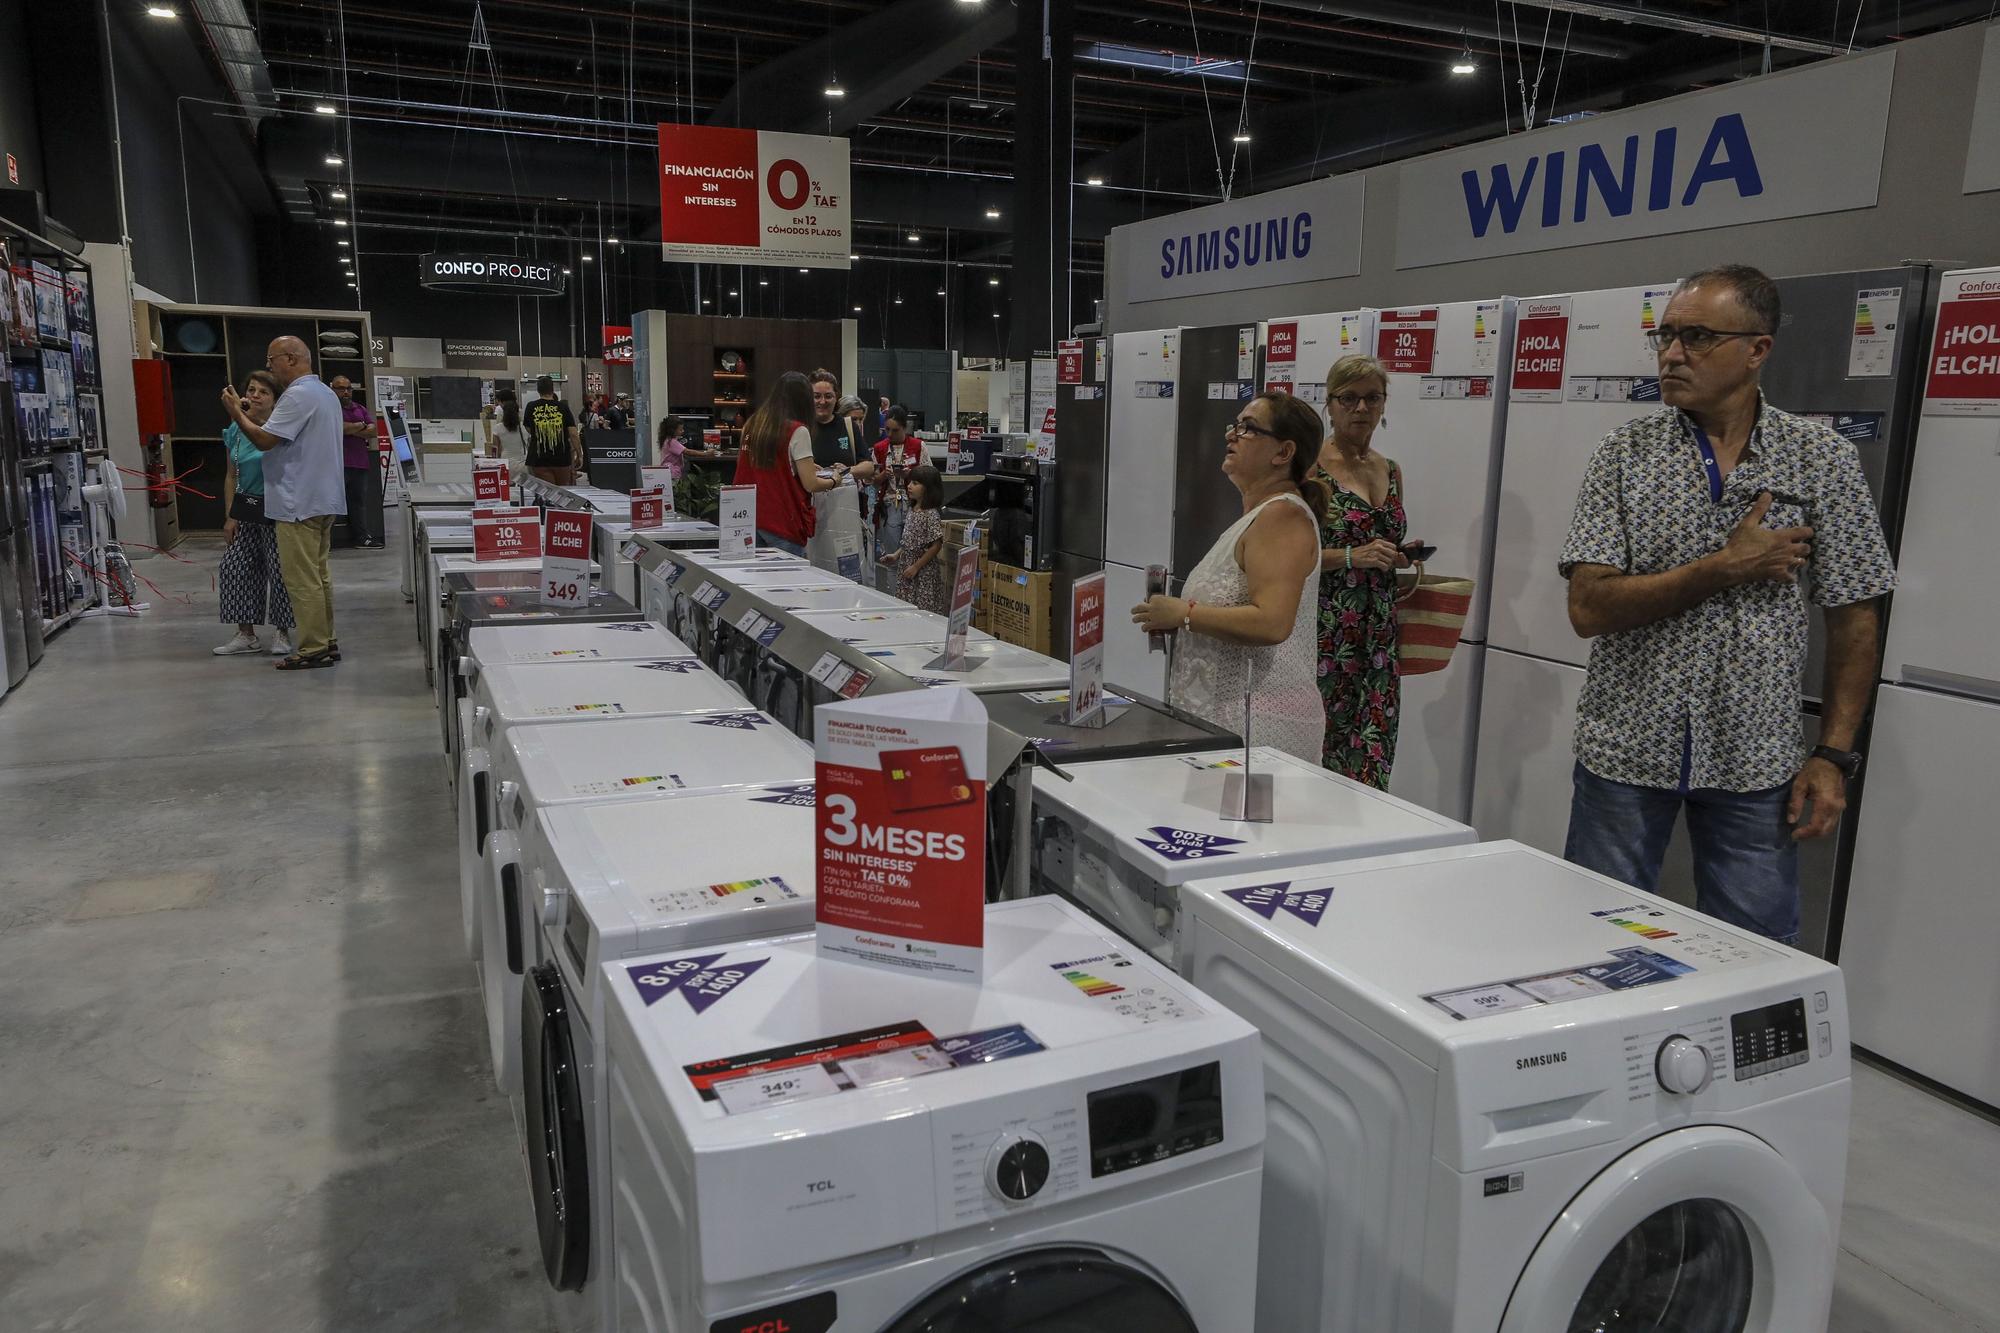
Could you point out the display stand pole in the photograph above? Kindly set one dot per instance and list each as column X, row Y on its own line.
column 1247, row 796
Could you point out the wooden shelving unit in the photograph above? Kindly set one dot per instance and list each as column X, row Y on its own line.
column 732, row 394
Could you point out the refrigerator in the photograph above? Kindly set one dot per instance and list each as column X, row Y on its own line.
column 1221, row 371
column 1140, row 463
column 16, row 571
column 1922, row 911
column 1846, row 353
column 1082, row 417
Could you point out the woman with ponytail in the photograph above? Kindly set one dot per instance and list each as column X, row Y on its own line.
column 1246, row 615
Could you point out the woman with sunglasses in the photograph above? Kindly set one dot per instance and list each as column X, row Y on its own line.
column 1246, row 613
column 1359, row 556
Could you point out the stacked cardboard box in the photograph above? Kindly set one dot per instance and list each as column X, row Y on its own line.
column 1020, row 606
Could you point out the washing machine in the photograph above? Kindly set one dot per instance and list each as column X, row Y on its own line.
column 604, row 881
column 1507, row 1095
column 1121, row 836
column 827, row 593
column 611, row 537
column 438, row 533
column 1074, row 1144
column 990, row 665
column 632, row 759
column 508, row 610
column 689, row 599
column 419, row 499
column 885, row 627
column 438, row 568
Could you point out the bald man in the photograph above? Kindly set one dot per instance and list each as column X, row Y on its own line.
column 303, row 492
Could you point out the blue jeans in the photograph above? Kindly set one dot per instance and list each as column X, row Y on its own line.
column 779, row 543
column 1746, row 866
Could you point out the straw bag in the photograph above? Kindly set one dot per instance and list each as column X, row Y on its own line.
column 1429, row 616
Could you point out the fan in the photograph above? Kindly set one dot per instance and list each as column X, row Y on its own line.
column 106, row 497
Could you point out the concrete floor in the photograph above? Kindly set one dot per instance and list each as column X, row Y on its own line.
column 243, row 1084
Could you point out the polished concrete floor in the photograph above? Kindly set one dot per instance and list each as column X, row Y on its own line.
column 243, row 1086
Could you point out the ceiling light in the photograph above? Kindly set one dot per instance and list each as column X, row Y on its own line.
column 706, row 301
column 804, row 270
column 589, row 259
column 325, row 109
column 993, row 282
column 1241, row 136
column 162, row 11
column 340, row 242
column 835, row 90
column 339, row 194
column 333, row 161
column 992, row 212
column 1093, row 180
column 940, row 291
column 857, row 310
column 732, row 291
column 996, row 314
column 565, row 270
column 611, row 240
column 340, row 222
column 1464, row 65
column 915, row 237
column 763, row 282
column 854, row 257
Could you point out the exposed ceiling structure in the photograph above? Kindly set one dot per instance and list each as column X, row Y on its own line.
column 462, row 123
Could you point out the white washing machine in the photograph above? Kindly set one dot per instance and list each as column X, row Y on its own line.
column 607, row 881
column 1508, row 1095
column 886, row 627
column 1075, row 1144
column 991, row 665
column 529, row 568
column 643, row 757
column 829, row 594
column 608, row 640
column 610, row 536
column 1121, row 836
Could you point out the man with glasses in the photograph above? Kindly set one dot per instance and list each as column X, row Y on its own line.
column 303, row 492
column 1700, row 535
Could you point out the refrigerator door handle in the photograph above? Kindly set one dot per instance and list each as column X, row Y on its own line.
column 1950, row 682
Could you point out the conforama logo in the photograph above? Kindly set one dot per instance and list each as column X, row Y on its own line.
column 1655, row 173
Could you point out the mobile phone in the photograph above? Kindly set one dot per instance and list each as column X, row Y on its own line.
column 1417, row 552
column 1156, row 586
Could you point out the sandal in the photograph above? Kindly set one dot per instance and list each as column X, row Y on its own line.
column 301, row 662
column 333, row 649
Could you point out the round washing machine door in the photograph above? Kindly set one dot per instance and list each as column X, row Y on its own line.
column 1067, row 1290
column 1703, row 1230
column 553, row 1110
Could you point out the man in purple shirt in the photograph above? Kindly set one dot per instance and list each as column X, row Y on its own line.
column 359, row 467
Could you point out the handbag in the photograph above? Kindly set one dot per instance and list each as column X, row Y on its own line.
column 248, row 509
column 1429, row 617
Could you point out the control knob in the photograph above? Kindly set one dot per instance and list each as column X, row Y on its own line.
column 1682, row 1066
column 1018, row 1167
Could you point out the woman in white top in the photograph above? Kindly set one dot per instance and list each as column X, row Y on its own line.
column 504, row 436
column 1247, row 624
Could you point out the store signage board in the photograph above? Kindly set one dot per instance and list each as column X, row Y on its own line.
column 506, row 532
column 1982, row 152
column 1406, row 341
column 901, row 832
column 1069, row 361
column 1086, row 650
column 475, row 354
column 649, row 509
column 1045, row 438
column 737, row 517
column 489, row 481
column 753, row 197
column 1303, row 233
column 1541, row 346
column 509, row 275
column 1964, row 378
column 964, row 587
column 618, row 344
column 566, row 557
column 658, row 477
column 1788, row 145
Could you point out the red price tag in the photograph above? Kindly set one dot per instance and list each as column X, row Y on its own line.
column 649, row 509
column 566, row 557
column 506, row 533
column 490, row 483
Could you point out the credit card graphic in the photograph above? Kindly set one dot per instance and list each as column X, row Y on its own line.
column 925, row 779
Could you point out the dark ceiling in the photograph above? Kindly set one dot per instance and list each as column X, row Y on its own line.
column 546, row 130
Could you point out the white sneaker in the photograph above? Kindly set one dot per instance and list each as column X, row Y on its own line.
column 281, row 646
column 242, row 643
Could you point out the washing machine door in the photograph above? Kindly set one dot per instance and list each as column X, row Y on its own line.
column 553, row 1107
column 1703, row 1230
column 1067, row 1290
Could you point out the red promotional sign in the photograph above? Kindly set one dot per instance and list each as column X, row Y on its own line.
column 708, row 185
column 1541, row 347
column 649, row 509
column 1406, row 341
column 1281, row 344
column 1965, row 352
column 1069, row 361
column 490, row 483
column 1086, row 648
column 506, row 533
column 753, row 196
column 618, row 344
column 566, row 534
column 711, row 438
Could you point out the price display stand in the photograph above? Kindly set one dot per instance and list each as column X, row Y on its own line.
column 566, row 557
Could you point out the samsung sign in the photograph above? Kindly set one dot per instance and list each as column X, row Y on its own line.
column 1301, row 234
column 1781, row 146
column 509, row 275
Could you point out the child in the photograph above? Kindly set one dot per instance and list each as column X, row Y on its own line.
column 919, row 562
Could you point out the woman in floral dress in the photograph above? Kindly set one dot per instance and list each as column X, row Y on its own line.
column 1359, row 557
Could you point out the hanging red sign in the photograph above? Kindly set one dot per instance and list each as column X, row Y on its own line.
column 618, row 344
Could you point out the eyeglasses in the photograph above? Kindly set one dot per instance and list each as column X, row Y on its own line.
column 1695, row 338
column 1249, row 428
column 1371, row 401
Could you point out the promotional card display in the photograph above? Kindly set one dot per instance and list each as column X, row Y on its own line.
column 964, row 585
column 737, row 517
column 506, row 532
column 490, row 484
column 649, row 507
column 902, row 832
column 566, row 557
column 1086, row 650
column 657, row 477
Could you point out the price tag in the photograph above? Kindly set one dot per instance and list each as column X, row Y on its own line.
column 965, row 583
column 489, row 482
column 828, row 662
column 738, row 520
column 506, row 533
column 776, row 1088
column 649, row 508
column 749, row 621
column 658, row 477
column 1086, row 649
column 566, row 557
column 857, row 681
column 631, row 549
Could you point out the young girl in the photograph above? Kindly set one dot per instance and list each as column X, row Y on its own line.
column 919, row 563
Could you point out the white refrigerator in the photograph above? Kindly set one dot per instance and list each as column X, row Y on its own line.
column 1139, row 497
column 1923, row 899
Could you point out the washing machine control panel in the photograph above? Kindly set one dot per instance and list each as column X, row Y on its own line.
column 1023, row 1151
column 1682, row 1066
column 1018, row 1166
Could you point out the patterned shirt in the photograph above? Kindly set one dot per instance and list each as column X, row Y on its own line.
column 1710, row 697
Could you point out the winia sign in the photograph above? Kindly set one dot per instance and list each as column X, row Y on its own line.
column 1785, row 145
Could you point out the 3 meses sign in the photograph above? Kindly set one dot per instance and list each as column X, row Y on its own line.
column 753, row 197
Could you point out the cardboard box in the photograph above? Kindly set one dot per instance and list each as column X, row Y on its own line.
column 1020, row 606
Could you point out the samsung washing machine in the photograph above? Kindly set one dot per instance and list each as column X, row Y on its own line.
column 1507, row 1095
column 807, row 1144
column 1121, row 836
column 605, row 881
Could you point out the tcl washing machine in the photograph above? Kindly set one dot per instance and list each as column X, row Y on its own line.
column 1121, row 836
column 502, row 613
column 606, row 881
column 1074, row 1144
column 990, row 665
column 1508, row 1095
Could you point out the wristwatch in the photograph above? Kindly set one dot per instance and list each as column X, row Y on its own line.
column 1847, row 761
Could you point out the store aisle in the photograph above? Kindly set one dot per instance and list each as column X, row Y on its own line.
column 245, row 1080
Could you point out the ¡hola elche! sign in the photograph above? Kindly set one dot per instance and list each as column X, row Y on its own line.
column 753, row 197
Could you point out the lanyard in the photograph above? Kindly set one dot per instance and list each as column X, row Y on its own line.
column 1708, row 463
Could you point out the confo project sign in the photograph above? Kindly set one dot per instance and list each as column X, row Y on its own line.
column 753, row 197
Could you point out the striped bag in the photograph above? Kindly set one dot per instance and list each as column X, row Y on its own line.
column 1429, row 616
